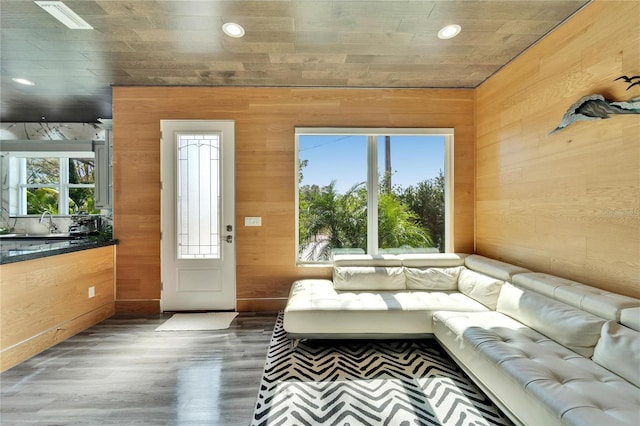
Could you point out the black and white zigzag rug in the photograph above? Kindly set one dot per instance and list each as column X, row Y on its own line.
column 352, row 383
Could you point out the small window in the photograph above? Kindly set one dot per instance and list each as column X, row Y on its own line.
column 372, row 191
column 60, row 185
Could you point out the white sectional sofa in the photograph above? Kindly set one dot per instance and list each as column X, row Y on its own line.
column 545, row 349
column 392, row 295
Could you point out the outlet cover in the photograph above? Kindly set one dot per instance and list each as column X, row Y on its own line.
column 92, row 292
column 253, row 221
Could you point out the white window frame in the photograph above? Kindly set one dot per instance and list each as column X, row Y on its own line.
column 18, row 175
column 372, row 178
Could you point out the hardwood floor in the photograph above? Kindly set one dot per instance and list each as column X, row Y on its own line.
column 123, row 372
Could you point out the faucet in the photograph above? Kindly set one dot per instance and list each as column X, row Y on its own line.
column 52, row 226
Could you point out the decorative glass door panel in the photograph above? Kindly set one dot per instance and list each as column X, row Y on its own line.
column 198, row 196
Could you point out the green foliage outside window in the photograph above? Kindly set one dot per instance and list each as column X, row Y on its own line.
column 426, row 200
column 40, row 200
column 81, row 199
column 44, row 171
column 407, row 218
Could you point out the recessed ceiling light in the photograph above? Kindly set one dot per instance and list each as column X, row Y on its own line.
column 64, row 14
column 23, row 81
column 233, row 30
column 450, row 31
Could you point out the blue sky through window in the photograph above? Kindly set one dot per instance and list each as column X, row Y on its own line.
column 343, row 158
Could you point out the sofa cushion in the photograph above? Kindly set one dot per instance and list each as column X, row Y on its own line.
column 316, row 309
column 591, row 299
column 312, row 294
column 480, row 287
column 569, row 326
column 494, row 268
column 366, row 260
column 631, row 318
column 432, row 278
column 541, row 283
column 461, row 332
column 353, row 278
column 432, row 260
column 542, row 381
column 618, row 350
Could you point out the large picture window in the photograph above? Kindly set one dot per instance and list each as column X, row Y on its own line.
column 372, row 191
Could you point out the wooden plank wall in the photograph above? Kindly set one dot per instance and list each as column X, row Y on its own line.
column 265, row 121
column 569, row 203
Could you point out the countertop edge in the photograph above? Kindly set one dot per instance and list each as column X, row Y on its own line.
column 69, row 248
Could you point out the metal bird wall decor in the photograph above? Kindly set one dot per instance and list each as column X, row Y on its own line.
column 596, row 107
column 630, row 80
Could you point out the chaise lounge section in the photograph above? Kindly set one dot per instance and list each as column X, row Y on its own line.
column 545, row 349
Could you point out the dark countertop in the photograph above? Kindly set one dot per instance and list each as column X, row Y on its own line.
column 37, row 251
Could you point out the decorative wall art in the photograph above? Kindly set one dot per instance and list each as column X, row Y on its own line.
column 596, row 107
column 633, row 81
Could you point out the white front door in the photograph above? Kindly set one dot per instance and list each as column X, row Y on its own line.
column 197, row 215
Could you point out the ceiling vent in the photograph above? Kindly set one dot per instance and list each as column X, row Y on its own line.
column 62, row 13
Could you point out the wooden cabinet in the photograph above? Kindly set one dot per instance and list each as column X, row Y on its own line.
column 45, row 301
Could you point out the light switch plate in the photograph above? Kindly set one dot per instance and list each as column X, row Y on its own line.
column 92, row 292
column 252, row 221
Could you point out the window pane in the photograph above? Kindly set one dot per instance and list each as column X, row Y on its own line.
column 40, row 200
column 81, row 170
column 82, row 200
column 43, row 170
column 198, row 212
column 411, row 194
column 332, row 194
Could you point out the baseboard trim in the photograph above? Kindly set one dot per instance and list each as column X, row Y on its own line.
column 137, row 306
column 260, row 305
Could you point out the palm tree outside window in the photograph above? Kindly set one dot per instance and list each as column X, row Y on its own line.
column 372, row 191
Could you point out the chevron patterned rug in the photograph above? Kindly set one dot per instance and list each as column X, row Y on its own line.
column 353, row 383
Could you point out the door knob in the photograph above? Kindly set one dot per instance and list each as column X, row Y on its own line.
column 228, row 238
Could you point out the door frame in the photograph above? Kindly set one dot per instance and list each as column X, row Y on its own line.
column 227, row 214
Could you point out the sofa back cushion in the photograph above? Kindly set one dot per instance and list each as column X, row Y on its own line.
column 432, row 278
column 571, row 327
column 494, row 268
column 618, row 350
column 366, row 260
column 432, row 260
column 483, row 288
column 631, row 318
column 591, row 299
column 362, row 278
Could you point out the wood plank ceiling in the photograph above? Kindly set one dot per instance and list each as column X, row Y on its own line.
column 299, row 43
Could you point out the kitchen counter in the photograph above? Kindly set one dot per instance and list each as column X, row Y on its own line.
column 12, row 251
column 51, row 291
